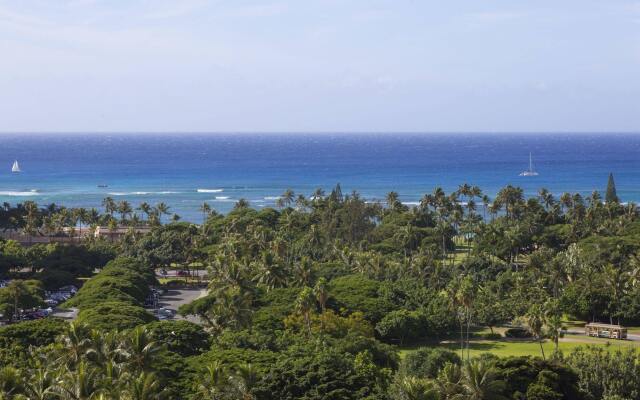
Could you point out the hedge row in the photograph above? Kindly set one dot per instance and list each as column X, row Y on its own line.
column 113, row 299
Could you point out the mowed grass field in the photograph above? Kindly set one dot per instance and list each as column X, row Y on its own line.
column 507, row 348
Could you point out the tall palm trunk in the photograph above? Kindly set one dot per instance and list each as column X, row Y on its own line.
column 468, row 329
column 462, row 339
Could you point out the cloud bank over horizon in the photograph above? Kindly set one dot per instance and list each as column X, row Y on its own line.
column 319, row 65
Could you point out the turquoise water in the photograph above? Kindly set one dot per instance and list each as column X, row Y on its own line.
column 186, row 170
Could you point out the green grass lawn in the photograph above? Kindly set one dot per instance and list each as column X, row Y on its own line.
column 506, row 348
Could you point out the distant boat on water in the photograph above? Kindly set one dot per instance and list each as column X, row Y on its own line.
column 530, row 171
column 103, row 186
column 16, row 167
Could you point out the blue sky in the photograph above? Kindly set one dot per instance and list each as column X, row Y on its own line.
column 319, row 65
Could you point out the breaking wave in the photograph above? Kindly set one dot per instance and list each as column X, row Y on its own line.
column 210, row 190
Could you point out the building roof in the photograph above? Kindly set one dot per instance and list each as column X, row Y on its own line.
column 598, row 325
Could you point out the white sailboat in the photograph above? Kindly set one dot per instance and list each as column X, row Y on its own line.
column 530, row 171
column 15, row 167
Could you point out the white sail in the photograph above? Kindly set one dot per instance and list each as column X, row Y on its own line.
column 530, row 171
column 15, row 167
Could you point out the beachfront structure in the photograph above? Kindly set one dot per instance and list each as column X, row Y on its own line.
column 605, row 331
column 118, row 232
column 73, row 234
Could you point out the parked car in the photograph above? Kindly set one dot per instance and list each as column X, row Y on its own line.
column 165, row 311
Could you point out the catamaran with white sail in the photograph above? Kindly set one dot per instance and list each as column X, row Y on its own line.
column 530, row 171
column 16, row 167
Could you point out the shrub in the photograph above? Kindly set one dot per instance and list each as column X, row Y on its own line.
column 427, row 362
column 122, row 280
column 182, row 337
column 401, row 325
column 316, row 375
column 358, row 293
column 114, row 315
column 517, row 333
column 492, row 336
column 32, row 333
column 53, row 279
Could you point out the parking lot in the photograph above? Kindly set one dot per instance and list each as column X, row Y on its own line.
column 172, row 299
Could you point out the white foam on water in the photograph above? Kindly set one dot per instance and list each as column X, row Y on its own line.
column 222, row 197
column 271, row 197
column 12, row 193
column 210, row 190
column 139, row 193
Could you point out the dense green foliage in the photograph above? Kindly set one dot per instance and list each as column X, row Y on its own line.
column 310, row 300
column 113, row 299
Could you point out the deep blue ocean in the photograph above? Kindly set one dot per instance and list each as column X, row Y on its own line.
column 185, row 170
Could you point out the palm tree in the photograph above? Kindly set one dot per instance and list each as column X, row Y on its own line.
column 205, row 209
column 145, row 208
column 286, row 198
column 93, row 217
column 321, row 291
column 306, row 305
column 616, row 280
column 113, row 227
column 302, row 271
column 270, row 273
column 449, row 382
column 16, row 291
column 412, row 388
column 83, row 383
column 546, row 198
column 40, row 385
column 301, row 202
column 392, row 200
column 214, row 381
column 553, row 318
column 10, row 382
column 566, row 201
column 144, row 386
column 77, row 341
column 465, row 297
column 535, row 318
column 485, row 205
column 140, row 349
column 124, row 209
column 161, row 209
column 243, row 379
column 479, row 382
column 241, row 204
column 109, row 205
column 81, row 216
column 30, row 227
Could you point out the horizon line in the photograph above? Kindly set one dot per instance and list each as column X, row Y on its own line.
column 247, row 132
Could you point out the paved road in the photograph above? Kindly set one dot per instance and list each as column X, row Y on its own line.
column 70, row 314
column 172, row 299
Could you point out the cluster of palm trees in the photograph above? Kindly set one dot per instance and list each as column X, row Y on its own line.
column 149, row 214
column 455, row 214
column 474, row 380
column 54, row 220
column 219, row 382
column 88, row 365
